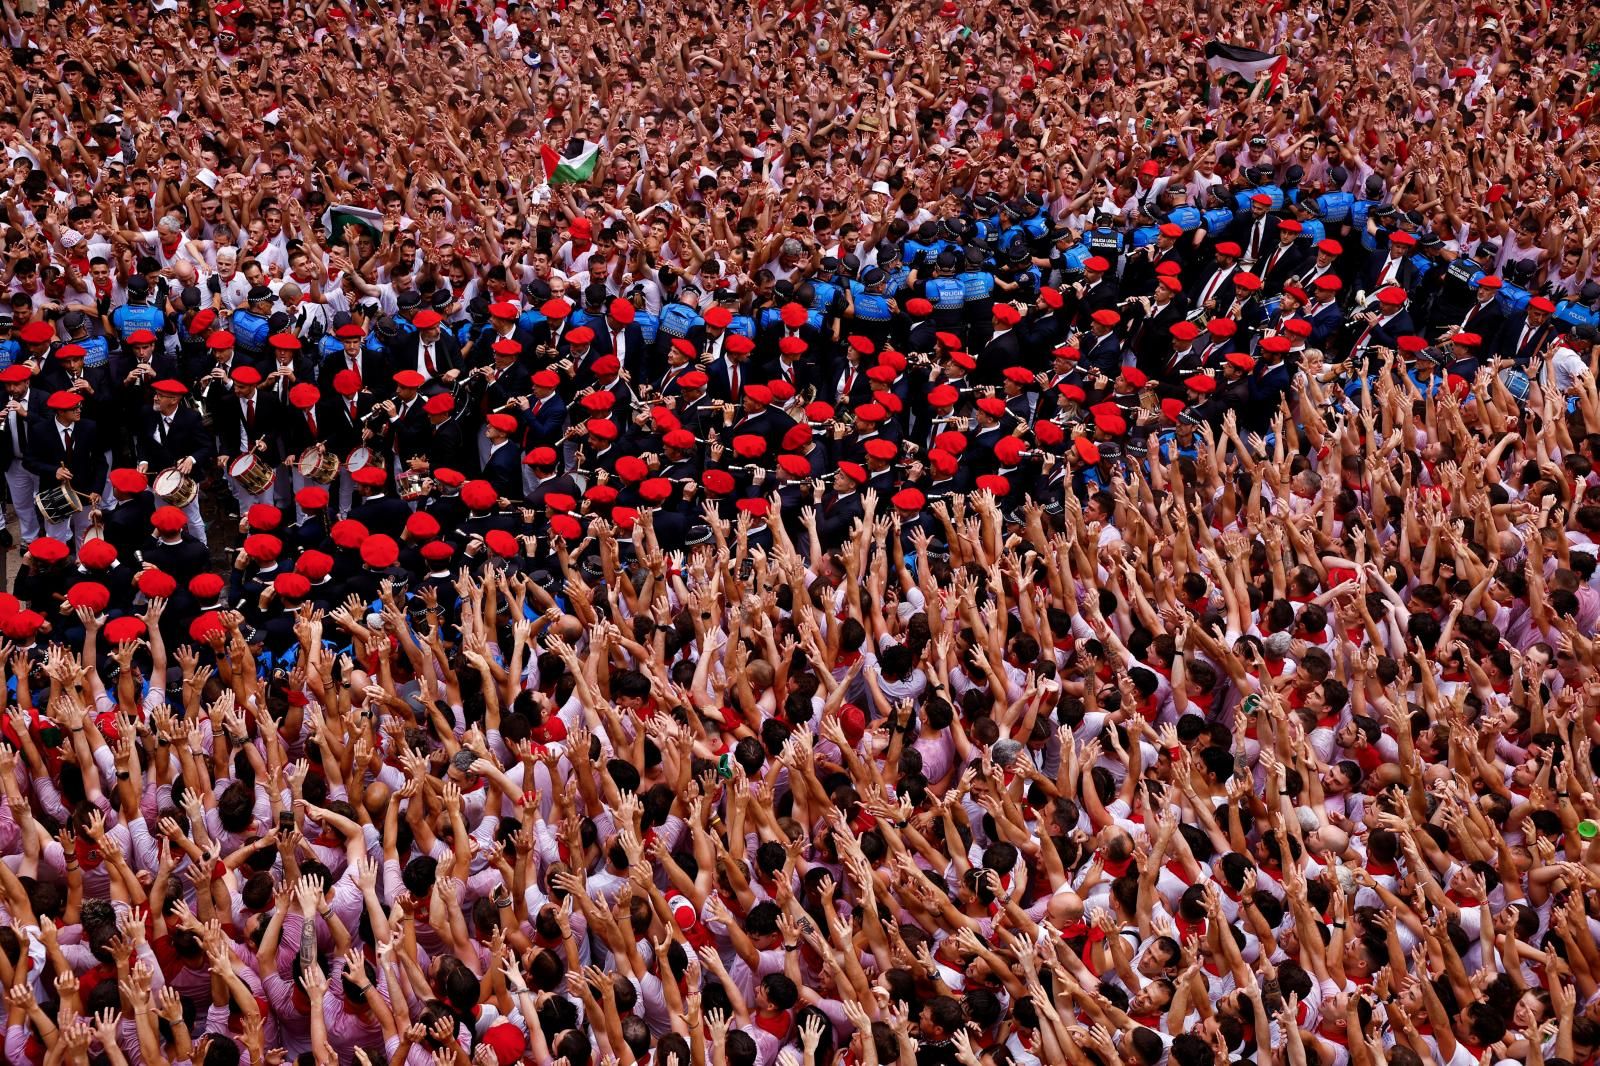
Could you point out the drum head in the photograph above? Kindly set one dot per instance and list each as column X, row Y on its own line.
column 167, row 482
column 238, row 467
column 310, row 459
column 358, row 458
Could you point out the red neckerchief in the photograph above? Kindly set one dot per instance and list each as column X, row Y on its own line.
column 779, row 1025
column 1379, row 868
column 1115, row 867
column 1186, row 928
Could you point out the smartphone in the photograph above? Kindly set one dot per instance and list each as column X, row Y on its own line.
column 285, row 821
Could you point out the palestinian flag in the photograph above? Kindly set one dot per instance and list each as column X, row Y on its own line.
column 574, row 166
column 338, row 216
column 1247, row 63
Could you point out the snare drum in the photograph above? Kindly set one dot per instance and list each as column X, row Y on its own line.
column 58, row 503
column 174, row 487
column 253, row 474
column 358, row 459
column 412, row 485
column 319, row 465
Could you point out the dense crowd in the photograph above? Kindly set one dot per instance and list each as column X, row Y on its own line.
column 820, row 535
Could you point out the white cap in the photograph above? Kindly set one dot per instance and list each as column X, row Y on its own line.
column 207, row 177
column 158, row 6
column 881, row 186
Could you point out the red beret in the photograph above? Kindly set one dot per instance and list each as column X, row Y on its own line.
column 206, row 587
column 500, row 542
column 97, row 553
column 348, row 533
column 379, row 551
column 854, row 471
column 292, row 586
column 749, row 445
column 202, row 627
column 421, row 526
column 128, row 481
column 718, row 317
column 655, row 489
column 121, row 630
column 263, row 547
column 995, row 484
column 566, row 527
column 90, row 594
column 479, row 495
column 719, row 482
column 168, row 519
column 622, row 311
column 314, row 564
column 156, row 584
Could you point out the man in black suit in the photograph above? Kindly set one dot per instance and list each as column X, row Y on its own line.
column 288, row 367
column 1004, row 348
column 502, row 465
column 1484, row 317
column 503, row 327
column 171, row 436
column 446, row 445
column 1527, row 336
column 1383, row 325
column 626, row 340
column 1255, row 231
column 728, row 376
column 431, row 352
column 377, row 507
column 66, row 372
column 1394, row 268
column 125, row 513
column 64, row 448
column 137, row 364
column 247, row 421
column 370, row 368
column 24, row 402
column 1286, row 261
column 841, row 506
column 501, row 379
column 1099, row 290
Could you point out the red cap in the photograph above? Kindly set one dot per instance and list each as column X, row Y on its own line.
column 1106, row 317
column 304, row 395
column 90, row 594
column 566, row 527
column 246, row 375
column 201, row 628
column 292, row 586
column 503, row 309
column 793, row 315
column 263, row 517
column 263, row 547
column 427, row 318
column 421, row 526
column 380, row 551
column 754, row 506
column 439, row 404
column 542, row 456
column 719, row 482
column 1008, row 451
column 207, row 587
column 501, row 543
column 97, row 553
column 348, row 533
column 312, row 498
column 156, row 584
column 168, row 519
column 622, row 311
column 880, row 449
column 602, row 428
column 314, row 564
column 1201, row 383
column 1241, row 361
column 794, row 465
column 854, row 471
column 749, row 445
column 128, row 481
column 719, row 317
column 630, row 468
column 409, row 379
column 992, row 405
column 1087, row 450
column 121, row 630
column 655, row 490
column 370, row 476
column 479, row 495
column 996, row 484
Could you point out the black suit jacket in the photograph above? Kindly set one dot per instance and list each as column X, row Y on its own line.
column 37, row 406
column 46, row 454
column 228, row 424
column 187, row 439
column 503, row 470
column 446, row 354
column 377, row 373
